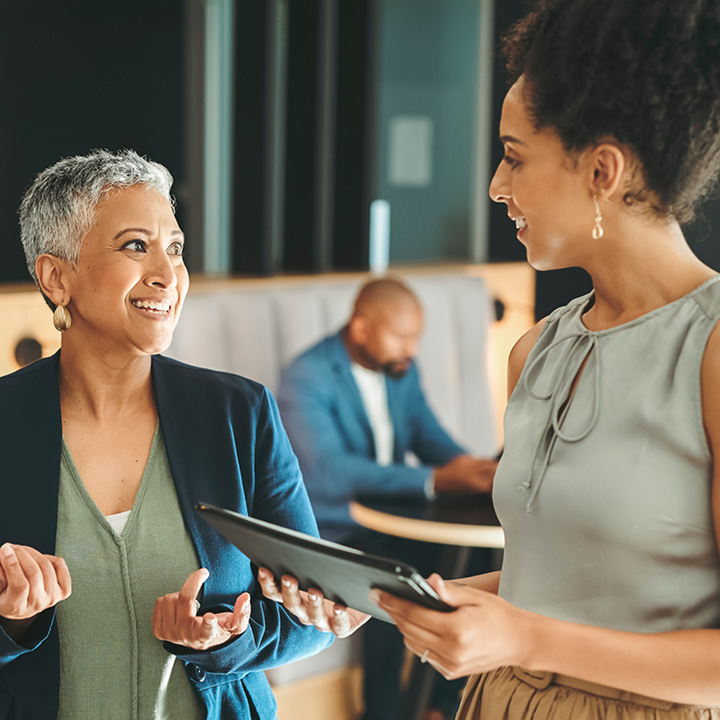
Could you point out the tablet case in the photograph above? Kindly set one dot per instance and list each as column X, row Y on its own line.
column 343, row 574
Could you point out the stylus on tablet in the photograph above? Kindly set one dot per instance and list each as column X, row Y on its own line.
column 343, row 574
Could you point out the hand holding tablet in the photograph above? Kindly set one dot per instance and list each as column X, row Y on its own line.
column 310, row 607
column 343, row 575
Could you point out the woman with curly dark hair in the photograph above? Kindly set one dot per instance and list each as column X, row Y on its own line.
column 608, row 602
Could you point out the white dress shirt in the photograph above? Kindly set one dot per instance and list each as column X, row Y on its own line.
column 373, row 391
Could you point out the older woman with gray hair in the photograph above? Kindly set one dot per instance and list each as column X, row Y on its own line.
column 116, row 601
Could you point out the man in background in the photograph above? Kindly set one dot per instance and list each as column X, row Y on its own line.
column 354, row 409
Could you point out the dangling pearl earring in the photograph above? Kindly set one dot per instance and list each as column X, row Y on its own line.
column 597, row 231
column 61, row 318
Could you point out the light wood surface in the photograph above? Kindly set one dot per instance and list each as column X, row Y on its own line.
column 445, row 533
column 514, row 284
column 23, row 313
column 335, row 695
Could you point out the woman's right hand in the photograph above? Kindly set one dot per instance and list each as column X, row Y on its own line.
column 30, row 582
column 310, row 607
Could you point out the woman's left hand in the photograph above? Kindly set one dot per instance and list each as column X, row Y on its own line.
column 175, row 617
column 483, row 632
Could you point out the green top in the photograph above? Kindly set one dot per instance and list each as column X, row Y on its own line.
column 111, row 664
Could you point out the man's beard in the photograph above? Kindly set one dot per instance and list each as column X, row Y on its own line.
column 397, row 369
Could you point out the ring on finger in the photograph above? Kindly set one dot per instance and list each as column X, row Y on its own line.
column 424, row 656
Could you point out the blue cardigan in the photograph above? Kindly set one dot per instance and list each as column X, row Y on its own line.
column 225, row 445
column 326, row 420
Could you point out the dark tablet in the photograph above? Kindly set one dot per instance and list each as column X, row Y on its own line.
column 343, row 574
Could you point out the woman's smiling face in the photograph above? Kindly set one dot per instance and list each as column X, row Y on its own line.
column 130, row 282
column 546, row 191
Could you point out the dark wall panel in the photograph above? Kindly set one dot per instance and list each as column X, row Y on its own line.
column 251, row 127
column 503, row 245
column 77, row 75
column 356, row 108
column 704, row 234
column 301, row 118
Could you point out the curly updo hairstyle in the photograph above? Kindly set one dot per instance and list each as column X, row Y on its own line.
column 645, row 72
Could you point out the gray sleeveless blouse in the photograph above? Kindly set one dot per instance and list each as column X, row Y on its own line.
column 605, row 496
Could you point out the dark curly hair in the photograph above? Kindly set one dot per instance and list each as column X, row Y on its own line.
column 645, row 72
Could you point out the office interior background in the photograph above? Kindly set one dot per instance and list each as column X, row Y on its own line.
column 282, row 122
column 296, row 130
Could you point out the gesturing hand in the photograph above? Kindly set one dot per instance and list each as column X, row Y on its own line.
column 311, row 608
column 175, row 617
column 30, row 582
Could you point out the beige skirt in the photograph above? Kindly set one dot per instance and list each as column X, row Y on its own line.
column 516, row 694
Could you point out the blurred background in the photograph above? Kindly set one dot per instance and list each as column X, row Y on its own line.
column 283, row 121
column 306, row 138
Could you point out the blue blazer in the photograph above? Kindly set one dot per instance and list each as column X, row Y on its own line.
column 225, row 445
column 325, row 418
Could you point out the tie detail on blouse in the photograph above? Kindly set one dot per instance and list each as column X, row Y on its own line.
column 583, row 348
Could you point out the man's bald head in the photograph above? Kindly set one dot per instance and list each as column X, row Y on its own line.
column 383, row 294
column 385, row 326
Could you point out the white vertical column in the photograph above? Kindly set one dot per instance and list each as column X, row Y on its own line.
column 379, row 236
column 218, row 144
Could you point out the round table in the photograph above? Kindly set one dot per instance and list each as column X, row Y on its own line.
column 459, row 520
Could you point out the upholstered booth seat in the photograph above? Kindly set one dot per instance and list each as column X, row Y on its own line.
column 254, row 329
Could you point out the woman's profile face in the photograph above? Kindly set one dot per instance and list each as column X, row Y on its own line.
column 547, row 195
column 130, row 282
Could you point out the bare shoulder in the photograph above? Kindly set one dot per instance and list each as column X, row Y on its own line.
column 710, row 379
column 519, row 354
column 711, row 388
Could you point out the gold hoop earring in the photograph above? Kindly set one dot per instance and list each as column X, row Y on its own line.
column 61, row 318
column 597, row 231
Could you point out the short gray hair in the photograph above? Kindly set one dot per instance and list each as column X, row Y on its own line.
column 57, row 211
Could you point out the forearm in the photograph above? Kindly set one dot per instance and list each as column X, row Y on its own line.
column 436, row 451
column 363, row 475
column 15, row 629
column 489, row 582
column 32, row 636
column 681, row 666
